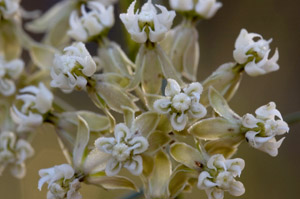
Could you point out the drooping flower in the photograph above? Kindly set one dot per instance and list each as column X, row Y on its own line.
column 71, row 69
column 36, row 102
column 262, row 129
column 181, row 104
column 9, row 71
column 61, row 182
column 92, row 23
column 8, row 8
column 13, row 153
column 148, row 24
column 219, row 176
column 203, row 8
column 255, row 53
column 125, row 149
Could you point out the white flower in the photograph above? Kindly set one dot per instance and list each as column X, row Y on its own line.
column 181, row 104
column 262, row 129
column 148, row 24
column 13, row 153
column 61, row 182
column 8, row 8
column 124, row 148
column 36, row 101
column 71, row 69
column 92, row 23
column 255, row 53
column 9, row 71
column 204, row 8
column 219, row 177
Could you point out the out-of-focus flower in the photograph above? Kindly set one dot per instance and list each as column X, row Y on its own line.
column 203, row 8
column 148, row 24
column 125, row 149
column 262, row 129
column 254, row 54
column 181, row 104
column 8, row 8
column 9, row 71
column 91, row 23
column 13, row 153
column 71, row 69
column 219, row 176
column 36, row 101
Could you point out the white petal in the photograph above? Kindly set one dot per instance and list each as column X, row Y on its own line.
column 162, row 106
column 135, row 165
column 178, row 122
column 113, row 167
column 105, row 144
column 172, row 88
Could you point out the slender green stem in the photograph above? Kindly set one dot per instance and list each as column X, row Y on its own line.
column 292, row 118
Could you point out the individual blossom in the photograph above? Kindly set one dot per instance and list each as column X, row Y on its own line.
column 262, row 129
column 219, row 176
column 35, row 101
column 253, row 51
column 91, row 23
column 203, row 8
column 180, row 104
column 148, row 24
column 9, row 72
column 8, row 8
column 125, row 149
column 71, row 69
column 61, row 182
column 13, row 153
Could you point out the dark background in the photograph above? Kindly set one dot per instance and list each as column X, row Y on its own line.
column 264, row 177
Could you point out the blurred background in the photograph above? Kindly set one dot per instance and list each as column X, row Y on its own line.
column 264, row 177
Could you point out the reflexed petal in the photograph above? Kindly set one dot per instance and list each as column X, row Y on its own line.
column 197, row 110
column 105, row 144
column 178, row 122
column 172, row 88
column 237, row 188
column 271, row 147
column 268, row 111
column 113, row 167
column 162, row 106
column 204, row 182
column 135, row 165
column 122, row 132
column 216, row 162
column 250, row 121
column 140, row 144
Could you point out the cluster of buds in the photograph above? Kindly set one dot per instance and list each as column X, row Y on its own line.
column 218, row 176
column 180, row 104
column 8, row 8
column 92, row 23
column 262, row 129
column 34, row 103
column 71, row 69
column 14, row 152
column 9, row 71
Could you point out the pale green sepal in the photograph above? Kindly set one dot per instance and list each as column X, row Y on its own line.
column 42, row 55
column 214, row 128
column 157, row 140
column 187, row 155
column 146, row 123
column 128, row 115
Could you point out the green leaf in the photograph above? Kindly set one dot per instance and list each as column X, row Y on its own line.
column 115, row 97
column 214, row 128
column 158, row 181
column 114, row 182
column 146, row 123
column 82, row 139
column 157, row 140
column 186, row 155
column 220, row 106
column 42, row 55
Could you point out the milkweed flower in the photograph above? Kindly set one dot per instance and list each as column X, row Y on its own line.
column 254, row 54
column 262, row 129
column 91, row 23
column 125, row 149
column 71, row 69
column 180, row 104
column 148, row 24
column 8, row 8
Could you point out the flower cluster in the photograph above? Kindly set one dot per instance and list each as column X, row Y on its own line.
column 14, row 152
column 8, row 8
column 262, row 129
column 204, row 8
column 125, row 149
column 36, row 101
column 181, row 104
column 92, row 23
column 148, row 24
column 61, row 182
column 219, row 177
column 72, row 69
column 254, row 54
column 9, row 71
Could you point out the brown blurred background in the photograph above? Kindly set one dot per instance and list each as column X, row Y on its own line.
column 264, row 177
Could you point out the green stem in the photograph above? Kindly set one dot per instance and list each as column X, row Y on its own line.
column 292, row 118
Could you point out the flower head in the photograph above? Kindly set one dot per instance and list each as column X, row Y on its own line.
column 180, row 104
column 8, row 8
column 148, row 24
column 92, row 23
column 262, row 129
column 255, row 53
column 71, row 69
column 124, row 148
